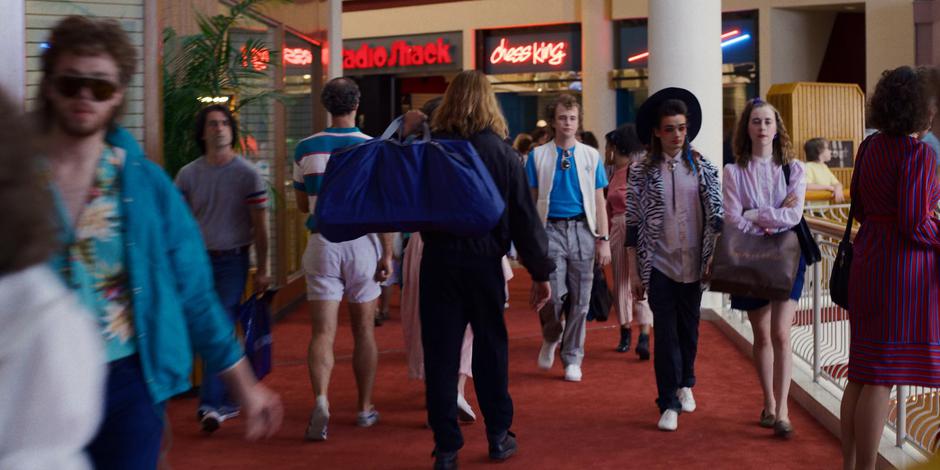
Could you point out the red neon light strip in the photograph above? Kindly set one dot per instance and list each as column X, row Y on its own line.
column 729, row 34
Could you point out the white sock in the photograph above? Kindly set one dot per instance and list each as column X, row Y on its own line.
column 322, row 402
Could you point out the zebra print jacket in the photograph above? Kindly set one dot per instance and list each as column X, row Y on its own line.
column 646, row 208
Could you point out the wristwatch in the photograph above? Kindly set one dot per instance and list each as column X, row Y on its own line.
column 605, row 238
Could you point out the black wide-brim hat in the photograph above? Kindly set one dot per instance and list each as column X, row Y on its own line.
column 646, row 116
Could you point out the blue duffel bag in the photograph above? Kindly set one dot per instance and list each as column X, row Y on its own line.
column 384, row 185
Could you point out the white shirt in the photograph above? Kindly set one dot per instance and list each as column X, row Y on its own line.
column 52, row 374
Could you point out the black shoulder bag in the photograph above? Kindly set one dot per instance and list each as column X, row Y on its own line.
column 839, row 277
column 808, row 246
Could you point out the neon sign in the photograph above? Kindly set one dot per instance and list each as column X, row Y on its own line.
column 398, row 54
column 258, row 58
column 725, row 38
column 297, row 56
column 552, row 53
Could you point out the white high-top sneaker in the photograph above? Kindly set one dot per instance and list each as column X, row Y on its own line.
column 669, row 421
column 547, row 355
column 686, row 399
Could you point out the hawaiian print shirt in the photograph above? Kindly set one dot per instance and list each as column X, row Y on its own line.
column 97, row 258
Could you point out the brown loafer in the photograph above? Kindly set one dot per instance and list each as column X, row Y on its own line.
column 783, row 429
column 767, row 420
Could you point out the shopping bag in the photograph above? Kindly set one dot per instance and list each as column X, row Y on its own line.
column 386, row 185
column 254, row 315
column 602, row 299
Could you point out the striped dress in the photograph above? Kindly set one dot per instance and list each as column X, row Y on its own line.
column 894, row 284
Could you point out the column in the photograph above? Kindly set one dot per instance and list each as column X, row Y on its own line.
column 685, row 51
column 13, row 55
column 334, row 41
column 597, row 60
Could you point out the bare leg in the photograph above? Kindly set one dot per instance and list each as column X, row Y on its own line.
column 461, row 384
column 781, row 322
column 870, row 415
column 365, row 352
column 320, row 351
column 763, row 354
column 847, row 423
column 645, row 329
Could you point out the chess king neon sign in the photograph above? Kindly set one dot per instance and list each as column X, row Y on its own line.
column 538, row 52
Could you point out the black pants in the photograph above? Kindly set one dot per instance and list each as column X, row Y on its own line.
column 454, row 292
column 676, row 315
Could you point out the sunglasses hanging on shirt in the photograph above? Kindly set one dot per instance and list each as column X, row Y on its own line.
column 565, row 160
column 70, row 86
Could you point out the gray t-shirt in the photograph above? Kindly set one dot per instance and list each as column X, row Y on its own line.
column 222, row 198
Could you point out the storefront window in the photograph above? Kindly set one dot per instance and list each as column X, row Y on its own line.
column 739, row 65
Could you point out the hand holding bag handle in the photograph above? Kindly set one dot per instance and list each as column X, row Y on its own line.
column 842, row 266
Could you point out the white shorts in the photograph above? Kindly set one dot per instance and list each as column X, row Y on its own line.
column 334, row 269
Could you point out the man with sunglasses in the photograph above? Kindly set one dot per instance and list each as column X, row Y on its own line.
column 132, row 251
column 567, row 179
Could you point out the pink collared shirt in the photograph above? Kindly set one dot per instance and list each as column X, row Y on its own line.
column 753, row 196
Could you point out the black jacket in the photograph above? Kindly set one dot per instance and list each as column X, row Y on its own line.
column 520, row 222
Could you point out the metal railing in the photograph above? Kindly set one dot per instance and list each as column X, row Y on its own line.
column 820, row 338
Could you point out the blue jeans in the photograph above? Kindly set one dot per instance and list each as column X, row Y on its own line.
column 130, row 435
column 230, row 273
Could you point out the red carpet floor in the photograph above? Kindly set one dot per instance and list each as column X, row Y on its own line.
column 606, row 421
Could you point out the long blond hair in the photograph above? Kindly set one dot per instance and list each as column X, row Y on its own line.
column 469, row 106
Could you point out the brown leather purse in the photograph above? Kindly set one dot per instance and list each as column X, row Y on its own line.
column 760, row 266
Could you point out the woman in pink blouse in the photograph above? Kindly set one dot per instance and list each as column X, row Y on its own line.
column 760, row 199
column 626, row 149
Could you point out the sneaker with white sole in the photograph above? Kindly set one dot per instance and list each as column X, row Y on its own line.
column 367, row 419
column 211, row 421
column 316, row 428
column 686, row 399
column 464, row 411
column 547, row 355
column 669, row 421
column 573, row 373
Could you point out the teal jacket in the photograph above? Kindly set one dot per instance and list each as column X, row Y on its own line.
column 176, row 309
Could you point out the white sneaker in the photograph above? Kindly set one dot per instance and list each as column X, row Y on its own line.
column 573, row 373
column 464, row 411
column 686, row 399
column 669, row 421
column 316, row 428
column 547, row 355
column 367, row 419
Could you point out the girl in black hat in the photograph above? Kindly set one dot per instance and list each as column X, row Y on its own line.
column 673, row 218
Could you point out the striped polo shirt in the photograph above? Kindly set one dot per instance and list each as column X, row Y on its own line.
column 310, row 160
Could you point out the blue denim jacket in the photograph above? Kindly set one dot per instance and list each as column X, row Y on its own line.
column 176, row 309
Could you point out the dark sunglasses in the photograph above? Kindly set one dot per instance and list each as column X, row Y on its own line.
column 70, row 86
column 565, row 160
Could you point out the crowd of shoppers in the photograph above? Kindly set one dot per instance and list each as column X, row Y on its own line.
column 143, row 273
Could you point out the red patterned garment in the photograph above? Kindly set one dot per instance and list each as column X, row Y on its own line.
column 894, row 285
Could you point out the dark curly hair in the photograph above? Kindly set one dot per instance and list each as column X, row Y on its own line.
column 340, row 96
column 201, row 124
column 27, row 228
column 83, row 36
column 625, row 140
column 901, row 102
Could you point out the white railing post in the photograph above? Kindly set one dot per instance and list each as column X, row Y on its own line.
column 817, row 315
column 900, row 424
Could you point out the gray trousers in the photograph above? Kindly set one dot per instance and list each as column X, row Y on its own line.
column 571, row 246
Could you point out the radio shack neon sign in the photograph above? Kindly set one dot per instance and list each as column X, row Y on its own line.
column 399, row 54
column 536, row 53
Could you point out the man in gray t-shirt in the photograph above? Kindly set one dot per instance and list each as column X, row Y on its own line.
column 229, row 200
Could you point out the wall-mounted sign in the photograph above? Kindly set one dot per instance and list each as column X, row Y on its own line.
column 541, row 49
column 404, row 54
column 298, row 56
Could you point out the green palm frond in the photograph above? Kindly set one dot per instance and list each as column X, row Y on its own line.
column 210, row 63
